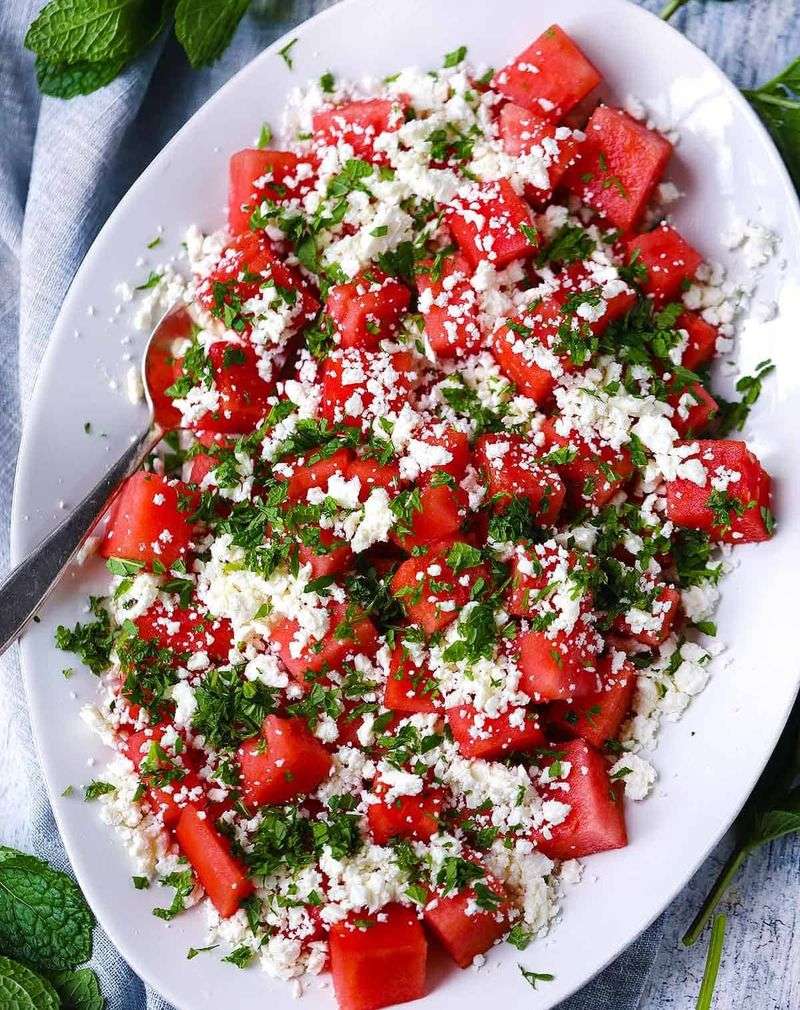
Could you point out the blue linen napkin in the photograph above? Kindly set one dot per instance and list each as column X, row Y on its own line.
column 63, row 167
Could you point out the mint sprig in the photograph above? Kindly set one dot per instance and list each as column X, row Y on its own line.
column 43, row 916
column 82, row 45
column 45, row 922
column 205, row 27
column 778, row 104
column 78, row 990
column 23, row 989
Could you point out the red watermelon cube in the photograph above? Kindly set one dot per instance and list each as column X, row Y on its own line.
column 620, row 164
column 733, row 504
column 596, row 820
column 286, row 760
column 669, row 260
column 378, row 960
column 550, row 77
column 146, row 522
column 598, row 717
column 491, row 223
column 223, row 877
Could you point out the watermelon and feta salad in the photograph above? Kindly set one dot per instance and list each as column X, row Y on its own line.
column 435, row 542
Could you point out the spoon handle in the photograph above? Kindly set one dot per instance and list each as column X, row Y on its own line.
column 29, row 584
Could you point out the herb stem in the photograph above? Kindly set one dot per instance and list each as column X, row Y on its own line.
column 706, row 994
column 721, row 884
column 671, row 8
column 781, row 103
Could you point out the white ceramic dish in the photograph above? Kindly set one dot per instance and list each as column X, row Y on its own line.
column 709, row 761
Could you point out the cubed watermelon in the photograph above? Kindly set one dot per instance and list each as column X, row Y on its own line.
column 349, row 634
column 186, row 630
column 669, row 260
column 596, row 820
column 467, row 923
column 256, row 175
column 619, row 165
column 223, row 877
column 449, row 305
column 512, row 470
column 367, row 309
column 559, row 665
column 358, row 124
column 433, row 592
column 415, row 816
column 550, row 77
column 378, row 960
column 146, row 522
column 491, row 223
column 409, row 688
column 524, row 132
column 286, row 760
column 493, row 738
column 598, row 717
column 436, row 514
column 733, row 504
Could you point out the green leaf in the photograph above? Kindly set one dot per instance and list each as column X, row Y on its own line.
column 97, row 788
column 205, row 27
column 457, row 56
column 519, row 937
column 67, row 80
column 241, row 957
column 286, row 53
column 78, row 990
column 534, row 977
column 121, row 566
column 43, row 915
column 774, row 824
column 778, row 104
column 68, row 31
column 23, row 989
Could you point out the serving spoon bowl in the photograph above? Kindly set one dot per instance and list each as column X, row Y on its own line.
column 29, row 584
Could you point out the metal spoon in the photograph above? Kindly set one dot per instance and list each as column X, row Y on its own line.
column 31, row 582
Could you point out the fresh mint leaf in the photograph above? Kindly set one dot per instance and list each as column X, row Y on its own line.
column 23, row 989
column 519, row 937
column 96, row 788
column 457, row 56
column 78, row 990
column 534, row 977
column 205, row 27
column 44, row 918
column 92, row 641
column 152, row 281
column 286, row 53
column 241, row 957
column 67, row 80
column 183, row 882
column 778, row 104
column 68, row 31
column 192, row 952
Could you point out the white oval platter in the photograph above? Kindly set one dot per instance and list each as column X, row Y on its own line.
column 709, row 761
